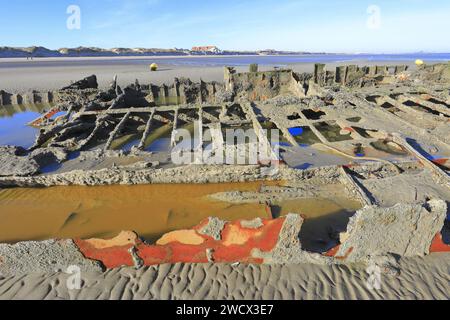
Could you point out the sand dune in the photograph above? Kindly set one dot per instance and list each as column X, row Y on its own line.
column 420, row 278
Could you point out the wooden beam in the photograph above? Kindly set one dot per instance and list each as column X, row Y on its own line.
column 354, row 187
column 116, row 130
column 262, row 137
column 425, row 103
column 313, row 129
column 99, row 123
column 423, row 100
column 115, row 111
column 198, row 150
column 146, row 131
column 440, row 174
column 386, row 113
column 402, row 107
column 118, row 101
column 142, row 110
column 174, row 130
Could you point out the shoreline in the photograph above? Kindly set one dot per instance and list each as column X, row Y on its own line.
column 21, row 59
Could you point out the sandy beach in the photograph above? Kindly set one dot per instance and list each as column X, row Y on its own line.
column 398, row 230
column 225, row 157
column 19, row 75
column 420, row 279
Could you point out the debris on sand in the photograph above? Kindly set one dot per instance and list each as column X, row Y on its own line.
column 86, row 83
column 20, row 162
column 403, row 230
column 47, row 257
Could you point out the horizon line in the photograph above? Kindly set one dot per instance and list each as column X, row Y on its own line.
column 225, row 50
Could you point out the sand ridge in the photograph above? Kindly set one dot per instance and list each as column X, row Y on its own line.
column 420, row 278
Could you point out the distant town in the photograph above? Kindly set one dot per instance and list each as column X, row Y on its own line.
column 42, row 52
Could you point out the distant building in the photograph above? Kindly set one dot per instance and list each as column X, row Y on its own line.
column 206, row 49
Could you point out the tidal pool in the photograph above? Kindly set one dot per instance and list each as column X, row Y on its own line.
column 150, row 210
column 13, row 124
column 85, row 212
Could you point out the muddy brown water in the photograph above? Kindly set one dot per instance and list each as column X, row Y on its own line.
column 150, row 210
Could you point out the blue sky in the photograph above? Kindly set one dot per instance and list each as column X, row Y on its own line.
column 309, row 25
